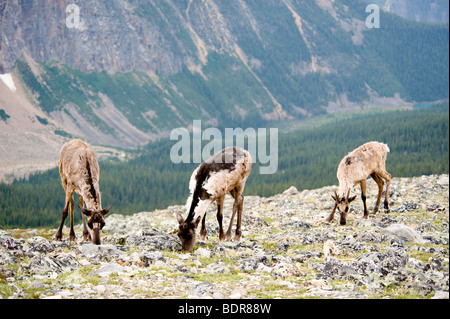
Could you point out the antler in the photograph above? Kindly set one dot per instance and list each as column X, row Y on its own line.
column 348, row 195
column 335, row 197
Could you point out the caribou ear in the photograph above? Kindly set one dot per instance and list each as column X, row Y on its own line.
column 180, row 218
column 197, row 221
column 106, row 210
column 351, row 199
column 85, row 212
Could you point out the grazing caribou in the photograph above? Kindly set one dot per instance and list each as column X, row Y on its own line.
column 368, row 159
column 80, row 173
column 225, row 171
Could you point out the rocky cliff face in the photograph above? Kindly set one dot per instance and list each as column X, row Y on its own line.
column 161, row 36
column 110, row 36
column 286, row 252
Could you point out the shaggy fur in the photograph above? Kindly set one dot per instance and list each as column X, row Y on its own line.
column 80, row 173
column 368, row 159
column 225, row 171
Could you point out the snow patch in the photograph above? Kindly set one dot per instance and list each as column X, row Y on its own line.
column 8, row 80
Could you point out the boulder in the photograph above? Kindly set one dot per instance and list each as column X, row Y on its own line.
column 405, row 232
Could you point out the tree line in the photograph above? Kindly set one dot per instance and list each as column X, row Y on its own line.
column 307, row 159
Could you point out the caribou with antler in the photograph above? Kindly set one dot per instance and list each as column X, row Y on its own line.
column 225, row 171
column 80, row 173
column 368, row 159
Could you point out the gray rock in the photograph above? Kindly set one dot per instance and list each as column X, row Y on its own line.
column 47, row 264
column 388, row 261
column 218, row 267
column 441, row 295
column 251, row 263
column 7, row 258
column 436, row 263
column 295, row 224
column 36, row 285
column 370, row 237
column 151, row 257
column 107, row 270
column 417, row 264
column 7, row 273
column 202, row 252
column 335, row 294
column 151, row 231
column 443, row 180
column 347, row 270
column 92, row 250
column 406, row 207
column 303, row 255
column 285, row 270
column 405, row 233
column 201, row 289
column 435, row 207
column 421, row 288
column 237, row 294
column 283, row 245
column 40, row 244
column 217, row 295
column 10, row 243
column 261, row 268
column 291, row 191
column 157, row 242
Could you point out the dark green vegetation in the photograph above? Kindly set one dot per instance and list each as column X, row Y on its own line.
column 405, row 53
column 308, row 158
column 3, row 115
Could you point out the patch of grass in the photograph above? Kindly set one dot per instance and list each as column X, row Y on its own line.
column 218, row 278
column 6, row 290
column 421, row 255
column 269, row 220
column 269, row 245
column 114, row 279
column 146, row 292
column 394, row 291
column 85, row 273
column 33, row 293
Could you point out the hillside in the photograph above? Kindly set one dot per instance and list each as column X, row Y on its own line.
column 286, row 252
column 132, row 71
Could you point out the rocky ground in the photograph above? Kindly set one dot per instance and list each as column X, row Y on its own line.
column 286, row 251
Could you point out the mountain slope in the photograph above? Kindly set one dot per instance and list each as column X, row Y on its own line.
column 133, row 70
